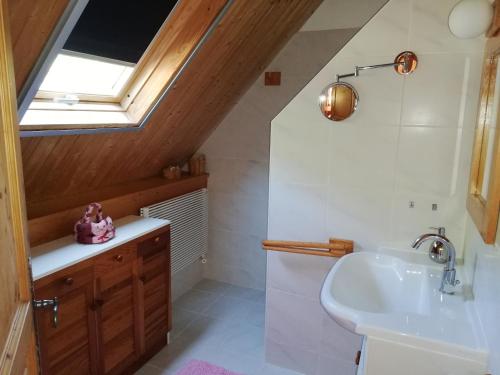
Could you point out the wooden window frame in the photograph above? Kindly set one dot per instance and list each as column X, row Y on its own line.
column 48, row 96
column 484, row 211
column 162, row 63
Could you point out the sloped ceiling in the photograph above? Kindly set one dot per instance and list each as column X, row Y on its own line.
column 31, row 22
column 247, row 39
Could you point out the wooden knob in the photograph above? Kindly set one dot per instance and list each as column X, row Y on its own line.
column 119, row 258
column 68, row 281
column 157, row 239
column 142, row 278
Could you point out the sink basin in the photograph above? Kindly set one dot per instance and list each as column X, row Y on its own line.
column 380, row 284
column 390, row 299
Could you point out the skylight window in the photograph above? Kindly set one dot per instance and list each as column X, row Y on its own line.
column 82, row 74
column 101, row 73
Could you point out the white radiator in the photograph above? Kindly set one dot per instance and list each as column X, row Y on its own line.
column 188, row 215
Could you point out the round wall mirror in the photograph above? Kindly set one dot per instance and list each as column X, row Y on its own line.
column 405, row 63
column 338, row 101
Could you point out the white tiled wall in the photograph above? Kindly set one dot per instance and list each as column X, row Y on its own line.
column 482, row 263
column 410, row 140
column 238, row 161
column 185, row 279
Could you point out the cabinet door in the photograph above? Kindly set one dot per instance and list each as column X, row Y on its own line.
column 154, row 258
column 70, row 347
column 115, row 272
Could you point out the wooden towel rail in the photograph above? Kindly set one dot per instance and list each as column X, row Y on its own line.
column 334, row 248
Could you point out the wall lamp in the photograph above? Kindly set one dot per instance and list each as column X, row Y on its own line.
column 470, row 18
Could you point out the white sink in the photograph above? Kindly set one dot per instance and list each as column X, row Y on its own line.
column 395, row 303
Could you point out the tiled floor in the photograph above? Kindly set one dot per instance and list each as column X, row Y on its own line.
column 219, row 323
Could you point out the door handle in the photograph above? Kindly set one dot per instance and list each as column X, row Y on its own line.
column 54, row 304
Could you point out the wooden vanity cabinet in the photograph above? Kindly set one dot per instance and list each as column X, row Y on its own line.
column 114, row 309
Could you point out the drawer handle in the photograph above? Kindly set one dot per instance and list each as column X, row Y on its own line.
column 157, row 239
column 69, row 281
column 119, row 258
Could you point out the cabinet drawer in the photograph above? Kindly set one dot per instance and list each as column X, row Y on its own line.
column 154, row 245
column 115, row 259
column 63, row 282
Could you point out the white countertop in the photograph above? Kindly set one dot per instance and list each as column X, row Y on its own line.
column 59, row 254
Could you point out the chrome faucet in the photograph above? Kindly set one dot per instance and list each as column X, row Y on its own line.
column 449, row 272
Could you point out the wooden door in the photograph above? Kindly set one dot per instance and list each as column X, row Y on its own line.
column 117, row 298
column 17, row 340
column 154, row 265
column 68, row 346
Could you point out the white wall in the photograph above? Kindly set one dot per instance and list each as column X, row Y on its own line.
column 238, row 151
column 482, row 264
column 341, row 14
column 410, row 140
column 238, row 160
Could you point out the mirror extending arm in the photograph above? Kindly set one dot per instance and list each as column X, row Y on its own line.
column 404, row 63
column 339, row 100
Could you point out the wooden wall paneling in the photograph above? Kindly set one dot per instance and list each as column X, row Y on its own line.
column 249, row 36
column 32, row 22
column 99, row 155
column 61, row 165
column 53, row 219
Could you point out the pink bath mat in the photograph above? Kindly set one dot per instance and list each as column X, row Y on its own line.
column 195, row 367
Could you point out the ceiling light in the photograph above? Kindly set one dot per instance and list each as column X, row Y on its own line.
column 470, row 18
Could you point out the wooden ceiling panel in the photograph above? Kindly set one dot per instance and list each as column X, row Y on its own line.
column 31, row 23
column 247, row 39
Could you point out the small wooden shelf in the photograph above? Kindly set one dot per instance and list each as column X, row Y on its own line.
column 334, row 248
